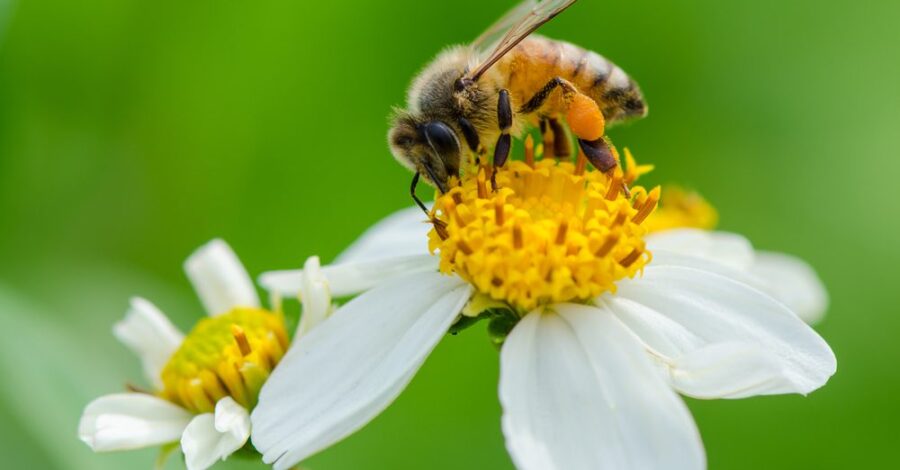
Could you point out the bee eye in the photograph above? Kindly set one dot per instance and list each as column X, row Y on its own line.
column 441, row 138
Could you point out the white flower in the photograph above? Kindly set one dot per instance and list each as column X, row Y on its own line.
column 206, row 411
column 588, row 385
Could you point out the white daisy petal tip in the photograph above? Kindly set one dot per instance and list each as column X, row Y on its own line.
column 150, row 335
column 794, row 282
column 719, row 337
column 129, row 421
column 221, row 281
column 211, row 437
column 738, row 370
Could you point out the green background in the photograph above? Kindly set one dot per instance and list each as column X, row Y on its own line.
column 132, row 132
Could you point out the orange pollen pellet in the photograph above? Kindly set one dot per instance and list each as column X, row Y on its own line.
column 631, row 258
column 585, row 118
column 607, row 245
column 241, row 339
column 561, row 233
column 517, row 238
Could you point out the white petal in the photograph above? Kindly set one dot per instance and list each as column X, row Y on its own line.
column 314, row 295
column 679, row 312
column 150, row 335
column 793, row 282
column 128, row 421
column 352, row 366
column 350, row 278
column 403, row 233
column 220, row 279
column 210, row 438
column 720, row 247
column 578, row 392
column 731, row 370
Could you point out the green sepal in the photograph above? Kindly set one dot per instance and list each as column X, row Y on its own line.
column 165, row 452
column 501, row 324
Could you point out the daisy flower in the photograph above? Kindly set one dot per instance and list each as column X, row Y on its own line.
column 205, row 383
column 599, row 337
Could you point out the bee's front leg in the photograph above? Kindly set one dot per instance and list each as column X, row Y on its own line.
column 504, row 142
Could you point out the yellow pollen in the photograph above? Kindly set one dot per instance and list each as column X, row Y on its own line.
column 547, row 234
column 226, row 355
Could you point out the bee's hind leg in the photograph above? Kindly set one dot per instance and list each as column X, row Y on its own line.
column 556, row 141
column 562, row 147
column 504, row 142
column 601, row 156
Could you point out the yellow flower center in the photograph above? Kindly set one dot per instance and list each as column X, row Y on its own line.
column 226, row 355
column 680, row 208
column 551, row 232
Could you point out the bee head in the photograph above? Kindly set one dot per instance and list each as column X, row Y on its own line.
column 428, row 147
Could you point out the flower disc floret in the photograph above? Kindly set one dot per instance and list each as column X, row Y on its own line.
column 551, row 232
column 226, row 355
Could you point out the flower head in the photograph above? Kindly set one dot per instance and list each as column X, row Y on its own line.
column 550, row 233
column 204, row 384
column 600, row 337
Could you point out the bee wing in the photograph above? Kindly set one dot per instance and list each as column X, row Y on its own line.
column 512, row 28
column 500, row 27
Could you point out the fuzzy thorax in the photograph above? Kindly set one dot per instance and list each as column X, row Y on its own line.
column 226, row 355
column 551, row 232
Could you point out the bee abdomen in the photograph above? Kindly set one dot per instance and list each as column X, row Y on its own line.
column 537, row 60
column 614, row 91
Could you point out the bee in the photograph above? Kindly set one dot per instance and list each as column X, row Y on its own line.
column 503, row 83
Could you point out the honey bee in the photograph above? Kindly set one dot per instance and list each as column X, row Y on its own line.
column 504, row 82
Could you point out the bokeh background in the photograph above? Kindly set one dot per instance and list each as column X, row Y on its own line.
column 131, row 132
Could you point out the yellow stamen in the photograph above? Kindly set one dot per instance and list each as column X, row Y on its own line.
column 547, row 234
column 241, row 339
column 227, row 355
column 580, row 162
column 529, row 151
column 647, row 205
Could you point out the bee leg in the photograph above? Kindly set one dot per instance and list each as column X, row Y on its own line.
column 412, row 192
column 562, row 148
column 558, row 145
column 504, row 142
column 541, row 96
column 547, row 138
column 602, row 157
column 599, row 154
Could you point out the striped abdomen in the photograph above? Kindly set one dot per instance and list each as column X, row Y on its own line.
column 537, row 60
